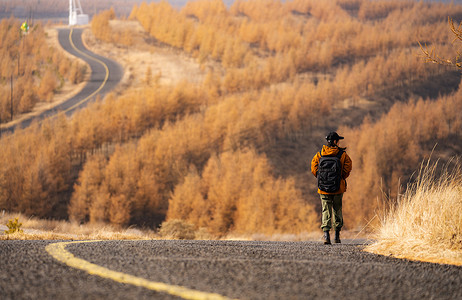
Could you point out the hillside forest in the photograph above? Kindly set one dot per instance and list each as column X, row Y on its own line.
column 232, row 154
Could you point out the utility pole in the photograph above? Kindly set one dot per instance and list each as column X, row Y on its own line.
column 20, row 48
column 11, row 97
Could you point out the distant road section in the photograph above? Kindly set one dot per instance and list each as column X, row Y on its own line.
column 105, row 75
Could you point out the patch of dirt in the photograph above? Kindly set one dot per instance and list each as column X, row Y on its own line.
column 168, row 66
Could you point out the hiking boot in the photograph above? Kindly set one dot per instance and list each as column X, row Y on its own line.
column 327, row 238
column 337, row 237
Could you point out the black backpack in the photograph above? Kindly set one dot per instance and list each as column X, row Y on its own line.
column 330, row 172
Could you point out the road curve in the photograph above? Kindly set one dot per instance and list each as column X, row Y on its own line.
column 105, row 75
column 232, row 269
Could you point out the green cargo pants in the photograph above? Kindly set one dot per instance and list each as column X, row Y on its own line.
column 331, row 203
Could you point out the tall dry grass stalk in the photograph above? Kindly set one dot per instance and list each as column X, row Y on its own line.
column 426, row 222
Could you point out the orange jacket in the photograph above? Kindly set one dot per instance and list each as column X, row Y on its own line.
column 345, row 160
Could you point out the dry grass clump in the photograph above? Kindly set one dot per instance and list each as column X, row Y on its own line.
column 177, row 229
column 426, row 223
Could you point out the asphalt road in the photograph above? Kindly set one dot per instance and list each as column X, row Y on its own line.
column 233, row 269
column 105, row 75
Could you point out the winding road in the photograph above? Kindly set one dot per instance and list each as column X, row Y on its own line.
column 105, row 75
column 158, row 269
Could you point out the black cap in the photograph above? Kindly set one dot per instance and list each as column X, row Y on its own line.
column 333, row 136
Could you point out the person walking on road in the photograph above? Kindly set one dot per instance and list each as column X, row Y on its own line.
column 331, row 166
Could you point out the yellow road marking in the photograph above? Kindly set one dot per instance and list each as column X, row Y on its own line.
column 59, row 252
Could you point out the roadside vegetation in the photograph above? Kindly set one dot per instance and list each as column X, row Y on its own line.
column 230, row 155
column 22, row 227
column 425, row 223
